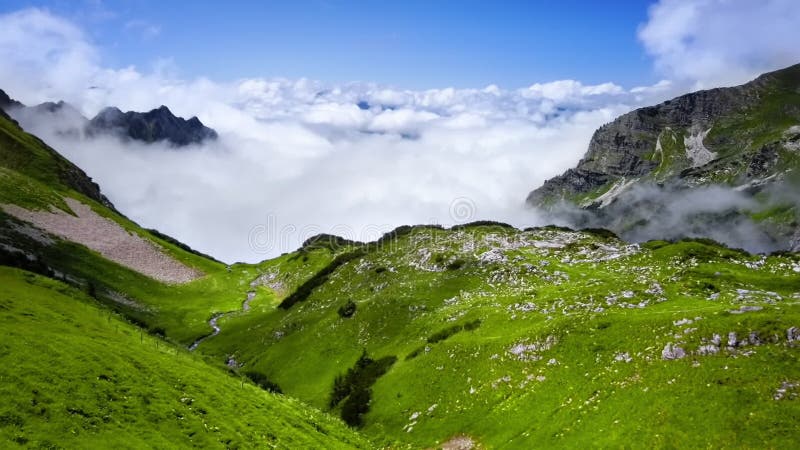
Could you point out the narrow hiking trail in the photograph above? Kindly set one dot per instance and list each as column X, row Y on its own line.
column 214, row 321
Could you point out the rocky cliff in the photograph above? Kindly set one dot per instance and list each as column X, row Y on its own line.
column 744, row 138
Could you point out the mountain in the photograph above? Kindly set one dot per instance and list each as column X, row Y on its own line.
column 156, row 125
column 64, row 119
column 86, row 297
column 743, row 139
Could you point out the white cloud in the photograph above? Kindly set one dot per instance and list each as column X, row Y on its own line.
column 709, row 43
column 44, row 56
column 355, row 159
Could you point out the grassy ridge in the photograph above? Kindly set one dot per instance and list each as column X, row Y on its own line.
column 75, row 375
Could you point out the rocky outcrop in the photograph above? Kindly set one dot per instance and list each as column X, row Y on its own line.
column 156, row 125
column 624, row 147
column 70, row 175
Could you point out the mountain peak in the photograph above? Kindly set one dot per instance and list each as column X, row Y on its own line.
column 156, row 125
column 740, row 140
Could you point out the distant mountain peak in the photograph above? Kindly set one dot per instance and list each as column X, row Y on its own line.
column 156, row 125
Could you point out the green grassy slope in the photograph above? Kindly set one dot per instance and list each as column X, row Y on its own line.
column 34, row 176
column 543, row 338
column 76, row 376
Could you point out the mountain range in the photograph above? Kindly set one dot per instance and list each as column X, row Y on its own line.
column 157, row 125
column 480, row 335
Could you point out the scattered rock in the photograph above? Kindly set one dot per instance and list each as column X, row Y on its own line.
column 788, row 391
column 671, row 352
column 745, row 308
column 793, row 334
column 623, row 357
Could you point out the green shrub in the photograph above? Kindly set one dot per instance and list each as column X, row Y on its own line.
column 354, row 387
column 416, row 352
column 261, row 380
column 444, row 334
column 347, row 310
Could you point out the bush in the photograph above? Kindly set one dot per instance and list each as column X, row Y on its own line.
column 347, row 310
column 483, row 223
column 416, row 352
column 470, row 326
column 261, row 380
column 354, row 387
column 305, row 289
column 601, row 233
column 444, row 334
column 356, row 405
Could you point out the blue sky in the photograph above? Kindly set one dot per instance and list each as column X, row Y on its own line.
column 409, row 44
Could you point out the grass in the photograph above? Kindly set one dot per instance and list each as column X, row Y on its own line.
column 75, row 375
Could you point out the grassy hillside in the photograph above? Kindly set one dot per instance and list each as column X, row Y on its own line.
column 76, row 376
column 543, row 337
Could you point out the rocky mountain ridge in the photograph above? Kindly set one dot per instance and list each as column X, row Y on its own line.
column 156, row 125
column 745, row 139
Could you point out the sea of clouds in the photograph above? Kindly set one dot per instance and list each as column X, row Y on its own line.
column 300, row 157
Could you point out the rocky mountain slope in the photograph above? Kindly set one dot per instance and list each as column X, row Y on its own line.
column 744, row 139
column 153, row 126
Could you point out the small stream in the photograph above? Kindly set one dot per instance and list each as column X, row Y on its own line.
column 214, row 321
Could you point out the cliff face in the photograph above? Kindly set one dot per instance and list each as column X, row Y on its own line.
column 746, row 138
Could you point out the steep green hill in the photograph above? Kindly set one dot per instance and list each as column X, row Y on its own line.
column 77, row 376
